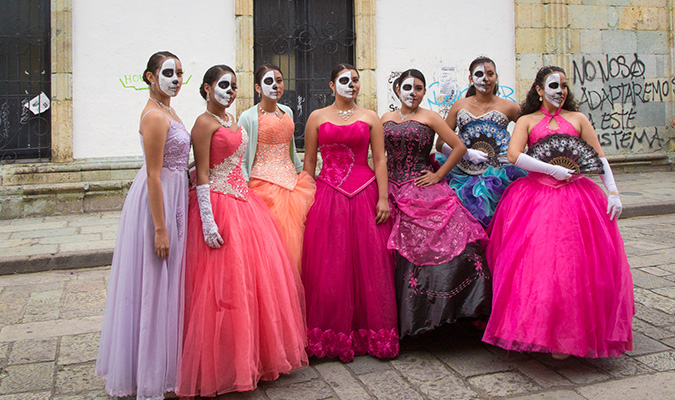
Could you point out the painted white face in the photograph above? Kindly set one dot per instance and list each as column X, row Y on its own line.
column 168, row 78
column 407, row 89
column 344, row 84
column 269, row 85
column 222, row 91
column 553, row 90
column 478, row 76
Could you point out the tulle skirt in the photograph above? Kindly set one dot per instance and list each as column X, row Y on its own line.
column 143, row 321
column 244, row 313
column 348, row 275
column 290, row 207
column 441, row 272
column 562, row 283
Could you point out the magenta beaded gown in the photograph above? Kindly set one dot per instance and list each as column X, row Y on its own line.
column 562, row 283
column 347, row 271
column 441, row 272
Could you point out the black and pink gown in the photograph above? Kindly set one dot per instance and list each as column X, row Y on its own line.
column 441, row 272
column 347, row 271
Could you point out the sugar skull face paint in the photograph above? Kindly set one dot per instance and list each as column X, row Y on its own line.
column 553, row 90
column 168, row 77
column 344, row 84
column 407, row 90
column 269, row 86
column 478, row 76
column 224, row 89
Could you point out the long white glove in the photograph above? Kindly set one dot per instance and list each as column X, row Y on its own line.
column 532, row 164
column 471, row 155
column 209, row 227
column 614, row 206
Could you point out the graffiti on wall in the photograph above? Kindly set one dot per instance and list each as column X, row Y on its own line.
column 626, row 109
column 135, row 81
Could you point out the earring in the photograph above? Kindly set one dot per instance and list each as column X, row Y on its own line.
column 539, row 98
column 208, row 97
column 152, row 87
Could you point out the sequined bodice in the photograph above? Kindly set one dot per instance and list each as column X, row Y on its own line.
column 272, row 157
column 176, row 147
column 541, row 129
column 492, row 124
column 344, row 149
column 227, row 149
column 408, row 145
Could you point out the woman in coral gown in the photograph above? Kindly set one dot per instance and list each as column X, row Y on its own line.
column 347, row 270
column 562, row 283
column 143, row 322
column 272, row 162
column 441, row 273
column 244, row 314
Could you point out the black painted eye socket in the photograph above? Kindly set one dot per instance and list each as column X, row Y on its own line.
column 343, row 81
column 223, row 84
column 554, row 85
column 167, row 72
column 478, row 74
column 407, row 87
column 268, row 81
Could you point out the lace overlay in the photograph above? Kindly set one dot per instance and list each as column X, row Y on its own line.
column 328, row 343
column 272, row 158
column 227, row 177
column 176, row 148
column 338, row 161
column 408, row 145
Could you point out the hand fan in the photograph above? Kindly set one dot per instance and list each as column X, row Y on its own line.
column 568, row 151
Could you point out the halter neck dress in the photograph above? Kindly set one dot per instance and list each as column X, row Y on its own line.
column 562, row 283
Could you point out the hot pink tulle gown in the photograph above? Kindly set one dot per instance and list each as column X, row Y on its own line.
column 562, row 283
column 244, row 313
column 347, row 270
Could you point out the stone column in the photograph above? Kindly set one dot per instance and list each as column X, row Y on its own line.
column 243, row 11
column 62, row 80
column 366, row 51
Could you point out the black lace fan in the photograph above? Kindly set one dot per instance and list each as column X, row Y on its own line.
column 485, row 144
column 567, row 151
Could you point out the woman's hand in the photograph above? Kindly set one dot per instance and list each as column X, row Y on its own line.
column 382, row 211
column 428, row 178
column 162, row 243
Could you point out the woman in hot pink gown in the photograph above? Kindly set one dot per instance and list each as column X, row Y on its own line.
column 244, row 314
column 347, row 270
column 562, row 283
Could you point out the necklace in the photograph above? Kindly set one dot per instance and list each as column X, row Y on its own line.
column 164, row 106
column 226, row 124
column 404, row 117
column 345, row 115
column 484, row 110
column 263, row 111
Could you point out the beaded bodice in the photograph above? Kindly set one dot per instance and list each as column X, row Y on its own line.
column 272, row 157
column 176, row 147
column 344, row 149
column 227, row 149
column 542, row 129
column 408, row 145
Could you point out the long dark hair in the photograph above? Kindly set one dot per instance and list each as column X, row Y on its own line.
column 415, row 73
column 155, row 62
column 533, row 103
column 341, row 67
column 480, row 60
column 211, row 75
column 262, row 70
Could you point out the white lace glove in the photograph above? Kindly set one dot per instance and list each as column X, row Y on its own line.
column 532, row 164
column 471, row 155
column 614, row 206
column 209, row 227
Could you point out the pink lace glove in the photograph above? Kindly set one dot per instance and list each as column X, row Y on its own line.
column 471, row 155
column 532, row 164
column 614, row 206
column 209, row 227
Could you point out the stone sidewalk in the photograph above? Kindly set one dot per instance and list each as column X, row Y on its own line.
column 86, row 240
column 50, row 324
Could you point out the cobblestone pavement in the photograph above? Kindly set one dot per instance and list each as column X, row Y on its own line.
column 50, row 323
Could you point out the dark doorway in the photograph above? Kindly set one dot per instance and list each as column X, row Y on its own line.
column 25, row 80
column 306, row 39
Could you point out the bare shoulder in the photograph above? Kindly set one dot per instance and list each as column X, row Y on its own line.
column 388, row 116
column 152, row 117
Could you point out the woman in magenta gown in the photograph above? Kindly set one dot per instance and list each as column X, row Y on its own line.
column 244, row 314
column 562, row 283
column 441, row 272
column 347, row 270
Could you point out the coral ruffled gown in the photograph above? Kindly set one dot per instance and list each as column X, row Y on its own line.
column 347, row 270
column 562, row 283
column 244, row 314
column 273, row 177
column 441, row 272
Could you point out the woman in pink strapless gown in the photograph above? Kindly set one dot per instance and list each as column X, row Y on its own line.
column 347, row 270
column 244, row 314
column 562, row 283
